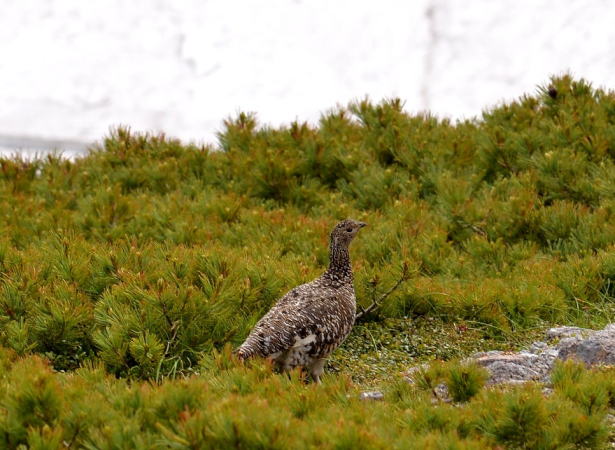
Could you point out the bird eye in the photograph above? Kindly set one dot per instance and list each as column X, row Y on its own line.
column 349, row 230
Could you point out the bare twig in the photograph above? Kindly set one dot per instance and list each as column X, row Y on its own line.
column 170, row 342
column 476, row 228
column 376, row 302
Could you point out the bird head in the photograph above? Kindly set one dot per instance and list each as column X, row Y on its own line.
column 345, row 231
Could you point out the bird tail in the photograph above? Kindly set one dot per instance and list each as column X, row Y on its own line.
column 243, row 353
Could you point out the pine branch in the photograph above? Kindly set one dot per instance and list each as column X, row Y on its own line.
column 376, row 302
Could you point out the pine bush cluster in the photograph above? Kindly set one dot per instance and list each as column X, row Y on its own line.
column 235, row 406
column 143, row 258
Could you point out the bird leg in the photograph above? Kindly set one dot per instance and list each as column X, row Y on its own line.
column 316, row 369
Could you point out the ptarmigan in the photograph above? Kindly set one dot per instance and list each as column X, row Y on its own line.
column 313, row 319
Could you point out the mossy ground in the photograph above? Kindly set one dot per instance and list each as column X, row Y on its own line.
column 129, row 269
column 380, row 351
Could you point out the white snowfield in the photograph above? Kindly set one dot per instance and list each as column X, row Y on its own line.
column 71, row 69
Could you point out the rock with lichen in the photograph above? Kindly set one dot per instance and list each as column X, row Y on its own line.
column 592, row 347
column 597, row 348
column 535, row 363
column 512, row 367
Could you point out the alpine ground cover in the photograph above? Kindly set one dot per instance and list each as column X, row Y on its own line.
column 128, row 268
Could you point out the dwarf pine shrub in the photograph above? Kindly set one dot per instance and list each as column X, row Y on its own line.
column 250, row 406
column 464, row 381
column 145, row 256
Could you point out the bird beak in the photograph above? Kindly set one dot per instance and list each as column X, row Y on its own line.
column 362, row 224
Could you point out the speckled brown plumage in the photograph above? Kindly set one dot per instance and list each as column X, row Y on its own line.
column 313, row 319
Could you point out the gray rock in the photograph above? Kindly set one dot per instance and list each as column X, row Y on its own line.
column 442, row 393
column 598, row 348
column 568, row 332
column 538, row 347
column 508, row 367
column 371, row 395
column 535, row 364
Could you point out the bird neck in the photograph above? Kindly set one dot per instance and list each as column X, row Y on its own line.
column 339, row 263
